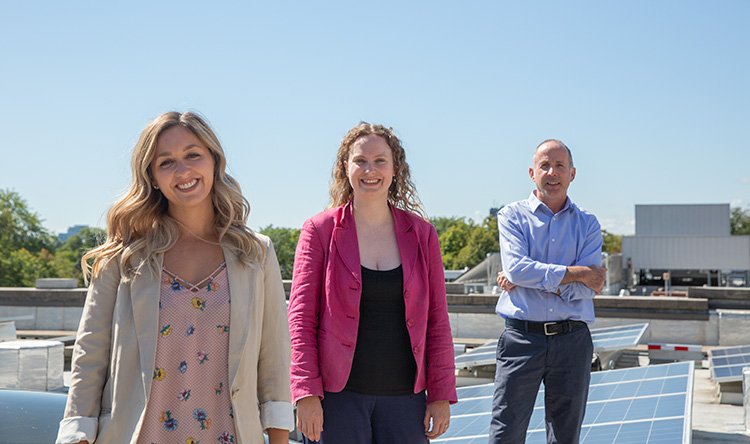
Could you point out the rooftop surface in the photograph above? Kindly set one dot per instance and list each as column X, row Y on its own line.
column 714, row 422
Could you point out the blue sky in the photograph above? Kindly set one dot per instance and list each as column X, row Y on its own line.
column 652, row 97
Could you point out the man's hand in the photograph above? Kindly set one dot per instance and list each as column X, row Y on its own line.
column 310, row 417
column 440, row 413
column 592, row 276
column 504, row 283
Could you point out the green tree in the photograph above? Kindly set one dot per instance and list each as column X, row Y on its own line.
column 442, row 224
column 21, row 268
column 464, row 243
column 612, row 242
column 284, row 243
column 26, row 247
column 20, row 227
column 739, row 221
column 68, row 256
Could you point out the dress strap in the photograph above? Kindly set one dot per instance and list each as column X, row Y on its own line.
column 196, row 287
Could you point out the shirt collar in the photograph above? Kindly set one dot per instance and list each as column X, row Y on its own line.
column 535, row 203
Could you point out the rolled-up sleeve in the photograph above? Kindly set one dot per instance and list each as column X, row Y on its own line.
column 519, row 268
column 273, row 363
column 304, row 311
column 90, row 362
column 591, row 254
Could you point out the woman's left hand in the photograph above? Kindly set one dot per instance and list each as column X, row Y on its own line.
column 440, row 413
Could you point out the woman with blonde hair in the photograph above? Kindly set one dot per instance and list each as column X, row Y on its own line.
column 372, row 353
column 163, row 354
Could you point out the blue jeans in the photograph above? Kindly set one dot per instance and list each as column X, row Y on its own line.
column 524, row 360
column 353, row 418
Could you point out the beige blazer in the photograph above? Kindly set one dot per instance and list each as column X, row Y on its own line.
column 115, row 351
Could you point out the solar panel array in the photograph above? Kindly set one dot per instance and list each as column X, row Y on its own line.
column 605, row 339
column 727, row 363
column 644, row 405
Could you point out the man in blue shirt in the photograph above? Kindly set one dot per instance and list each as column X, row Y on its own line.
column 551, row 255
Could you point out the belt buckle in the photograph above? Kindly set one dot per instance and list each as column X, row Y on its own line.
column 547, row 332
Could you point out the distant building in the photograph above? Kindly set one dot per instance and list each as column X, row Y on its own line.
column 494, row 210
column 72, row 231
column 690, row 245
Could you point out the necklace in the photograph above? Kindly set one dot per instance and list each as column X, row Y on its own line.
column 188, row 230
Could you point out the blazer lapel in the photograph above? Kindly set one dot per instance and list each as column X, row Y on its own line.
column 240, row 278
column 144, row 293
column 408, row 244
column 345, row 239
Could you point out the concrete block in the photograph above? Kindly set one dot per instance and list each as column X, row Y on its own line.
column 479, row 325
column 56, row 283
column 7, row 331
column 734, row 327
column 25, row 317
column 32, row 368
column 55, row 366
column 454, row 288
column 72, row 317
column 31, row 365
column 453, row 319
column 746, row 396
column 730, row 392
column 679, row 331
column 49, row 318
column 9, row 356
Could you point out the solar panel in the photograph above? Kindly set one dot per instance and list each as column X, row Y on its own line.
column 644, row 405
column 605, row 339
column 727, row 363
column 617, row 338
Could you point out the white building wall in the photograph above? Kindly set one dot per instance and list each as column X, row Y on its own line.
column 682, row 220
column 687, row 253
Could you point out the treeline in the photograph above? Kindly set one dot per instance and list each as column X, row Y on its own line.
column 29, row 251
column 463, row 242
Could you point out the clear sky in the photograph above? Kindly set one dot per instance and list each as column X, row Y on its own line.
column 652, row 97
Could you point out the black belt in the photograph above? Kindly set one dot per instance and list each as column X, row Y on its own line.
column 544, row 328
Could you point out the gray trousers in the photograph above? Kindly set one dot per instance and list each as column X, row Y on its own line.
column 524, row 360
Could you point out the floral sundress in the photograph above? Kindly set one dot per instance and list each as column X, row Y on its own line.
column 190, row 398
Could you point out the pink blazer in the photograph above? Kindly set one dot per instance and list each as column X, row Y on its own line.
column 324, row 304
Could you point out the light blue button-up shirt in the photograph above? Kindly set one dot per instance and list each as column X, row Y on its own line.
column 536, row 246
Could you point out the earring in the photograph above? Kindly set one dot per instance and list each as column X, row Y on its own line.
column 156, row 187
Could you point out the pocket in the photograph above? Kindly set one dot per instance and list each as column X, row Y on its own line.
column 500, row 344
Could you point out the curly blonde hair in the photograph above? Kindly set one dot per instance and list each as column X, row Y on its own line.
column 402, row 192
column 138, row 224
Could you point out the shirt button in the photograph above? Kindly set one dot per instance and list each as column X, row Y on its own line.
column 416, row 350
column 551, row 309
column 553, row 240
column 406, row 294
column 410, row 323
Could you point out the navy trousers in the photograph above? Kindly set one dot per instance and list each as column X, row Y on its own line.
column 524, row 360
column 353, row 418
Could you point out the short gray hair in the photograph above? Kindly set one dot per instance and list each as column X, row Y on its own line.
column 559, row 142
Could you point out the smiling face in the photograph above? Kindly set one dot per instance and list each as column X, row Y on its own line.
column 370, row 168
column 183, row 169
column 552, row 173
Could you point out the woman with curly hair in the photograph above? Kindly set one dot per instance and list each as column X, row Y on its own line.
column 372, row 353
column 163, row 354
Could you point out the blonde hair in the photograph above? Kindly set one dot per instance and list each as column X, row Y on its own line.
column 402, row 192
column 138, row 224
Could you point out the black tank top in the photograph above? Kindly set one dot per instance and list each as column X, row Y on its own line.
column 383, row 361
